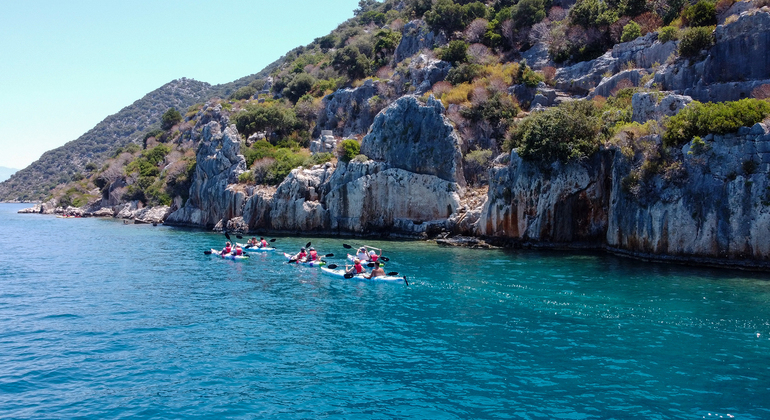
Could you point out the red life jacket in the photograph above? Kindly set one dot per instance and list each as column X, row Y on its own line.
column 227, row 250
column 302, row 254
column 313, row 255
column 359, row 268
column 373, row 258
column 238, row 251
column 263, row 244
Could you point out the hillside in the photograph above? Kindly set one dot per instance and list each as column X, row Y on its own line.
column 89, row 151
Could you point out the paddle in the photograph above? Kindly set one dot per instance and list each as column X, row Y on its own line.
column 348, row 275
column 207, row 252
column 332, row 266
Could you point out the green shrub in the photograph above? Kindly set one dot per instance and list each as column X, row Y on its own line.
column 463, row 73
column 272, row 118
column 245, row 177
column 668, row 33
column 702, row 13
column 694, row 40
column 299, row 85
column 170, row 118
column 630, row 32
column 455, row 52
column 350, row 61
column 699, row 119
column 349, row 149
column 530, row 78
column 245, row 92
column 568, row 131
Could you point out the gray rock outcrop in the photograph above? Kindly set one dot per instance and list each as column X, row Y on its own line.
column 564, row 204
column 212, row 198
column 416, row 138
column 656, row 105
column 416, row 36
column 347, row 112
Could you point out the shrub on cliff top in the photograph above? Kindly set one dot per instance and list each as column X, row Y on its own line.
column 699, row 119
column 348, row 149
column 568, row 131
column 694, row 40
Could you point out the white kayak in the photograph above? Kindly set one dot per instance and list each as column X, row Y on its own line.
column 316, row 263
column 256, row 248
column 341, row 274
column 228, row 256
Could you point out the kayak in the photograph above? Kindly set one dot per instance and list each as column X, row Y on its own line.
column 316, row 263
column 255, row 248
column 341, row 274
column 228, row 256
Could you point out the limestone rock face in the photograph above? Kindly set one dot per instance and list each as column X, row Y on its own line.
column 218, row 165
column 417, row 139
column 416, row 36
column 370, row 197
column 643, row 52
column 565, row 204
column 347, row 112
column 741, row 51
column 721, row 212
column 650, row 106
column 738, row 63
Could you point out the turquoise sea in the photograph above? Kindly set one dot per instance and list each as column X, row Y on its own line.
column 101, row 320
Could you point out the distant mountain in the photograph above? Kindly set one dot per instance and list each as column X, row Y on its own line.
column 6, row 173
column 58, row 166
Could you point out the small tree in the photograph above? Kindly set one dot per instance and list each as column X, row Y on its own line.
column 170, row 118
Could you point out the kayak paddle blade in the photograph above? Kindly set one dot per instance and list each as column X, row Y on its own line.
column 208, row 252
column 332, row 266
column 346, row 246
column 386, row 259
column 348, row 275
column 393, row 273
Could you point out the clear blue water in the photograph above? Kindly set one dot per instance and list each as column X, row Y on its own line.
column 104, row 320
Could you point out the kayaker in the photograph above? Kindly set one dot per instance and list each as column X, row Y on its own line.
column 252, row 243
column 312, row 255
column 238, row 250
column 362, row 255
column 373, row 256
column 377, row 271
column 357, row 267
column 262, row 243
column 228, row 248
column 301, row 255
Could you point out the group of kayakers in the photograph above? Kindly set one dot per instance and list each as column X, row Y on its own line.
column 364, row 255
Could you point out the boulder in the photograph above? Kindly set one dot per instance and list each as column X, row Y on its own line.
column 416, row 138
column 37, row 208
column 656, row 105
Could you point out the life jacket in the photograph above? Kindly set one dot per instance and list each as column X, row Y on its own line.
column 359, row 268
column 227, row 250
column 313, row 255
column 374, row 258
column 238, row 251
column 263, row 244
column 302, row 254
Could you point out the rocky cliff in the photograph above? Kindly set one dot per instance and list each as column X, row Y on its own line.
column 410, row 183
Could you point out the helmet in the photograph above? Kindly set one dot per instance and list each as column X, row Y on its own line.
column 302, row 249
column 312, row 249
column 372, row 253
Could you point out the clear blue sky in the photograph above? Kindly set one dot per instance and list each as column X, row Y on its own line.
column 66, row 65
